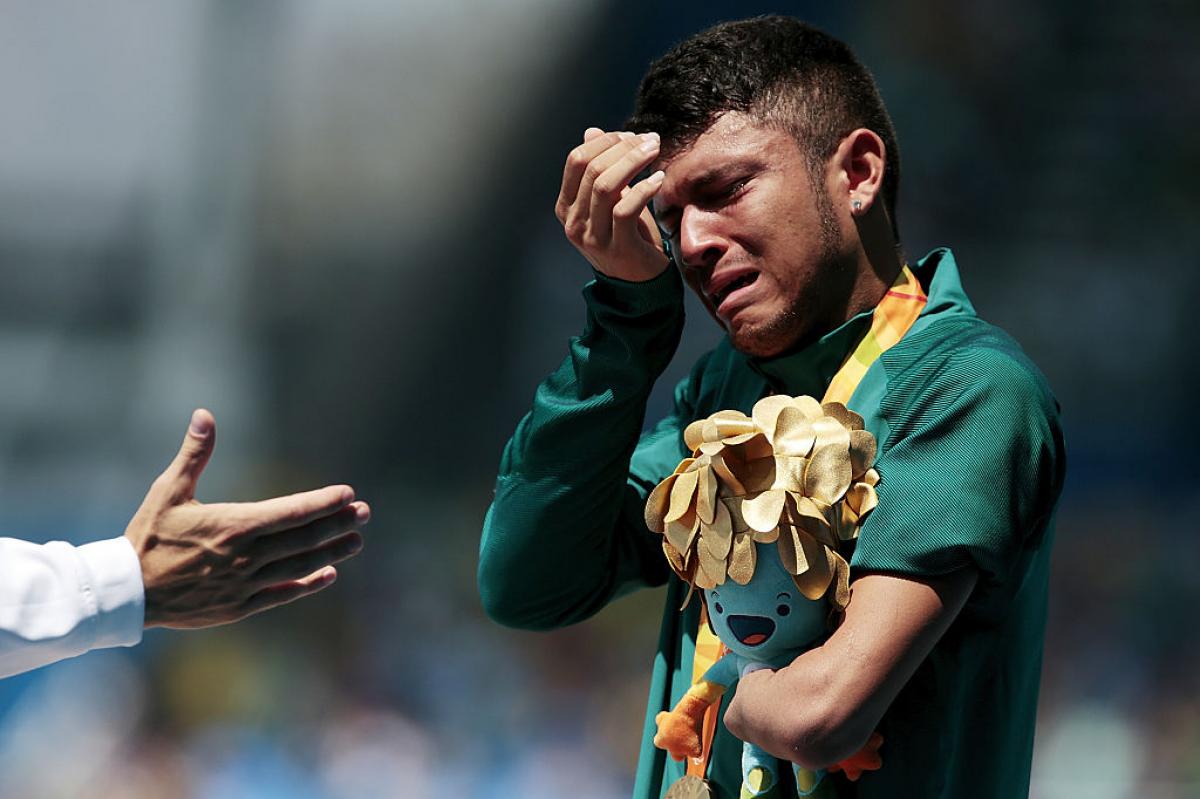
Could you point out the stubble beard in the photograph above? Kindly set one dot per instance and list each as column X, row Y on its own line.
column 808, row 317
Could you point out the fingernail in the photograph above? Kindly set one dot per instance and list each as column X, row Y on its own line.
column 199, row 425
column 650, row 136
column 648, row 145
column 657, row 177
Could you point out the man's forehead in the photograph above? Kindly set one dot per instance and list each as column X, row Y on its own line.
column 733, row 142
column 730, row 132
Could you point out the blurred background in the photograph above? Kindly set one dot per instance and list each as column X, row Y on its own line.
column 331, row 223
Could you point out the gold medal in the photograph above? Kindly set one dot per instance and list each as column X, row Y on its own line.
column 689, row 787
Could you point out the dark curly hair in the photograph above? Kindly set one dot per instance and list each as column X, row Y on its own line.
column 778, row 70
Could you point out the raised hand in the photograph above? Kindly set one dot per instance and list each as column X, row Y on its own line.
column 606, row 219
column 204, row 565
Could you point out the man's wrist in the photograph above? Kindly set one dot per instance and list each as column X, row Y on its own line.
column 112, row 576
column 636, row 298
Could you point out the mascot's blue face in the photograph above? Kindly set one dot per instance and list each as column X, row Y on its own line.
column 768, row 619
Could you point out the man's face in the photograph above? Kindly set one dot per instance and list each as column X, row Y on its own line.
column 756, row 242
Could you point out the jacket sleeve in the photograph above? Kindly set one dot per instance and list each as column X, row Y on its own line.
column 58, row 601
column 565, row 533
column 971, row 471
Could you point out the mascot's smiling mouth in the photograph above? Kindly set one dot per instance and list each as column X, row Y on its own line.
column 751, row 630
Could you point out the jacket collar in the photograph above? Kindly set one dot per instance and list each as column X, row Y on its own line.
column 810, row 370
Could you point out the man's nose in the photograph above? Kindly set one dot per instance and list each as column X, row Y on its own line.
column 700, row 243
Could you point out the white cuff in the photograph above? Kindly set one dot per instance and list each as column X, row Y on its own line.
column 112, row 574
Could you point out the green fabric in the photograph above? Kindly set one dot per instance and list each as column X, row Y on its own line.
column 971, row 464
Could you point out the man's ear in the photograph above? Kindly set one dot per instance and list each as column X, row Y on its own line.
column 858, row 166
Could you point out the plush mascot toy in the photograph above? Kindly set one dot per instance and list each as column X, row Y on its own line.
column 757, row 518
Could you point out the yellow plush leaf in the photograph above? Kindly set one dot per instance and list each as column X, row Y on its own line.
column 720, row 532
column 869, row 500
column 658, row 503
column 730, row 485
column 742, row 559
column 789, row 474
column 752, row 448
column 791, row 550
column 757, row 475
column 766, row 410
column 847, row 529
column 706, row 495
column 813, row 517
column 841, row 572
column 829, row 432
column 710, row 570
column 674, row 557
column 814, row 580
column 685, row 465
column 681, row 535
column 734, row 506
column 728, row 424
column 762, row 512
column 826, row 477
column 848, row 418
column 681, row 495
column 691, row 584
column 769, row 537
column 862, row 499
column 693, row 434
column 862, row 452
column 810, row 517
column 794, row 433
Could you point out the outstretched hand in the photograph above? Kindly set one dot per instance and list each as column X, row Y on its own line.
column 606, row 219
column 204, row 565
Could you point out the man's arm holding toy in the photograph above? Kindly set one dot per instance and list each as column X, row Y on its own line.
column 823, row 707
column 936, row 536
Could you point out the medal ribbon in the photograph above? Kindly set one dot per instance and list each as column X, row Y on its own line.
column 893, row 317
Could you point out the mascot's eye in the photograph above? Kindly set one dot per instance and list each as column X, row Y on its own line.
column 720, row 609
column 783, row 610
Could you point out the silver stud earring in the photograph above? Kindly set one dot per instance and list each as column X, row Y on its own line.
column 856, row 205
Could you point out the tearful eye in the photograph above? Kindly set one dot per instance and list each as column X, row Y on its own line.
column 783, row 610
column 718, row 607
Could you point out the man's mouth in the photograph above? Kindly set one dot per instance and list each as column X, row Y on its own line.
column 725, row 290
column 751, row 630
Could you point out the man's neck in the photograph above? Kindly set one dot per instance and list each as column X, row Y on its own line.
column 879, row 262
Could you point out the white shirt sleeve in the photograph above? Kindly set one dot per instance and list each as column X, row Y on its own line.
column 58, row 600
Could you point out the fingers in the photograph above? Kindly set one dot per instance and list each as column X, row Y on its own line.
column 184, row 471
column 607, row 220
column 633, row 204
column 296, row 510
column 615, row 168
column 270, row 548
column 577, row 163
column 283, row 593
column 296, row 566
